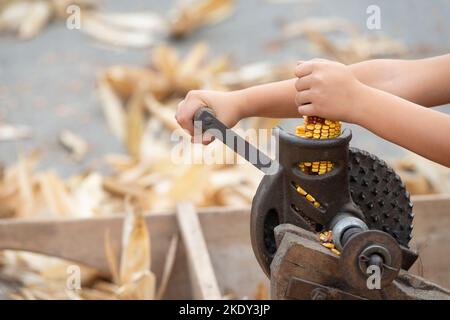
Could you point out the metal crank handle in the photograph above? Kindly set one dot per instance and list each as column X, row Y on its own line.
column 205, row 119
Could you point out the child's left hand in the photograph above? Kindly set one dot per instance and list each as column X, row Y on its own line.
column 329, row 90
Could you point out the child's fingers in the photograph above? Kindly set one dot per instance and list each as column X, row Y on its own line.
column 207, row 139
column 303, row 97
column 185, row 115
column 307, row 110
column 203, row 139
column 304, row 83
column 304, row 69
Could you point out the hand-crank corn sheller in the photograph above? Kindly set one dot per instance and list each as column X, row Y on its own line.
column 360, row 199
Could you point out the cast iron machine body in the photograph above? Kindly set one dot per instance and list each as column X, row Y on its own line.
column 362, row 201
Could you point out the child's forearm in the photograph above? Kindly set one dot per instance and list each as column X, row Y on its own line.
column 419, row 81
column 273, row 100
column 409, row 125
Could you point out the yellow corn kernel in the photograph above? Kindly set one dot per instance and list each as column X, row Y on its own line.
column 336, row 252
column 301, row 191
column 329, row 245
column 326, row 236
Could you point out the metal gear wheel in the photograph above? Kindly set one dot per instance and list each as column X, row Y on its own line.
column 381, row 195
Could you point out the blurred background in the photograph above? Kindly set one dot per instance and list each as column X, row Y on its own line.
column 48, row 82
column 86, row 113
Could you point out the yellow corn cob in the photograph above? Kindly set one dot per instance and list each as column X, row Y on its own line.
column 317, row 128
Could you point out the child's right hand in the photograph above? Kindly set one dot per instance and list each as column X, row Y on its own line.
column 226, row 105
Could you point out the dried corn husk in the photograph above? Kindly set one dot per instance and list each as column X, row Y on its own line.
column 190, row 15
column 10, row 132
column 168, row 265
column 353, row 48
column 110, row 29
column 262, row 292
column 137, row 281
column 76, row 145
column 38, row 16
column 112, row 109
column 27, row 18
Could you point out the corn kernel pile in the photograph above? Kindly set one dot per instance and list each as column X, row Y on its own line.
column 326, row 239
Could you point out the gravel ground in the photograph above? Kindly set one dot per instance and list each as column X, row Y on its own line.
column 48, row 83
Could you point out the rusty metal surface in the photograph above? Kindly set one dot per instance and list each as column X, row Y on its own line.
column 350, row 260
column 300, row 257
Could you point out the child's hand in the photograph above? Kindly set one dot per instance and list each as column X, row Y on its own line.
column 227, row 106
column 327, row 89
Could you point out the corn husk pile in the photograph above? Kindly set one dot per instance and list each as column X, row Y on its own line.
column 27, row 18
column 139, row 103
column 38, row 277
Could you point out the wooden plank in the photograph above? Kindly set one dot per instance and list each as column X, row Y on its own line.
column 81, row 240
column 204, row 282
column 431, row 198
column 226, row 231
column 431, row 237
